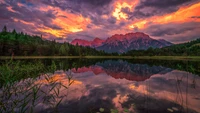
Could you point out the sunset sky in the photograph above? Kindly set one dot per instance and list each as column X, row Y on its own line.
column 64, row 20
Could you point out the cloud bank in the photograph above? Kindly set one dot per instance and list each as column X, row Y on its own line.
column 64, row 20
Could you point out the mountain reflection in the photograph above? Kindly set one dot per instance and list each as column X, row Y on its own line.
column 119, row 69
column 112, row 84
column 165, row 91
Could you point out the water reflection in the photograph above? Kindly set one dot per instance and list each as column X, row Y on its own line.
column 114, row 84
column 124, row 70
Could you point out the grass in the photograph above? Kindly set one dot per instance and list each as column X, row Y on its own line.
column 12, row 71
column 25, row 96
column 59, row 57
column 194, row 58
column 21, row 95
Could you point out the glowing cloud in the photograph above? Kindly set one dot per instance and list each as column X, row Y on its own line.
column 10, row 9
column 118, row 7
column 184, row 14
column 22, row 21
column 67, row 21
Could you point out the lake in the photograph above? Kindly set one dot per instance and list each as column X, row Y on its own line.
column 106, row 86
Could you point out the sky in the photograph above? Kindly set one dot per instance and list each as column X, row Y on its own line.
column 176, row 21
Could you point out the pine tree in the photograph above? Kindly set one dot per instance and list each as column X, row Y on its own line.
column 62, row 50
column 4, row 29
column 67, row 49
column 14, row 31
column 22, row 33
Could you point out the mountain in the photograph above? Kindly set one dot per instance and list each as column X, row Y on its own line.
column 81, row 42
column 165, row 42
column 97, row 42
column 94, row 43
column 122, row 43
column 120, row 69
column 131, row 41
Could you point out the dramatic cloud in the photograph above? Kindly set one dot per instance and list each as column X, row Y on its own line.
column 175, row 32
column 65, row 20
column 148, row 8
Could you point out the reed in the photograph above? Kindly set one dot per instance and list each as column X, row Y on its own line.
column 21, row 92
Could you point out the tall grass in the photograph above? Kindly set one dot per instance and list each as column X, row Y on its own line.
column 20, row 92
column 11, row 71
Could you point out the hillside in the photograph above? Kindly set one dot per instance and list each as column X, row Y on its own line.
column 191, row 48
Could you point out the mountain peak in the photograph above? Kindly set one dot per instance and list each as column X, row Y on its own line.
column 97, row 39
column 116, row 37
column 81, row 42
column 96, row 42
column 137, row 35
column 127, row 37
column 122, row 43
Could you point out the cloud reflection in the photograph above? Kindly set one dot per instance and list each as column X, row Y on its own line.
column 164, row 90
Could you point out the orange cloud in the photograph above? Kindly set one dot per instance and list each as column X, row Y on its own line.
column 123, row 4
column 10, row 9
column 184, row 14
column 67, row 21
column 20, row 5
column 22, row 21
column 140, row 24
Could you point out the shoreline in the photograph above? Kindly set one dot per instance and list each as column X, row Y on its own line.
column 195, row 58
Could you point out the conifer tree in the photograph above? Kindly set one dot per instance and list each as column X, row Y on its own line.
column 4, row 29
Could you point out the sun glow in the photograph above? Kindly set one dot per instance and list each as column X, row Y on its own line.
column 67, row 21
column 119, row 6
column 140, row 24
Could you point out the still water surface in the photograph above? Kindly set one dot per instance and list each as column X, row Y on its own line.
column 113, row 86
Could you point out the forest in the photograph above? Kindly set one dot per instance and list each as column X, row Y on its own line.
column 22, row 44
column 191, row 48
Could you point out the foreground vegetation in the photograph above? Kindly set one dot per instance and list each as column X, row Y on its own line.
column 61, row 57
column 26, row 95
column 12, row 71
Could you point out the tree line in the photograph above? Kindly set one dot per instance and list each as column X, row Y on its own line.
column 191, row 48
column 22, row 44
